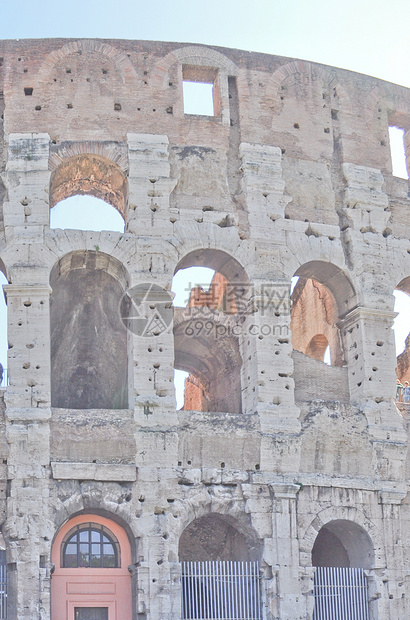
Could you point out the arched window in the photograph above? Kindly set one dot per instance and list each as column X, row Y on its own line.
column 89, row 343
column 211, row 295
column 91, row 580
column 90, row 545
column 314, row 321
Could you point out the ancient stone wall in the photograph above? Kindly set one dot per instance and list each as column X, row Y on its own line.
column 291, row 176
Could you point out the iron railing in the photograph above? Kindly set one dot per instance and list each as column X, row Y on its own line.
column 3, row 591
column 340, row 594
column 221, row 591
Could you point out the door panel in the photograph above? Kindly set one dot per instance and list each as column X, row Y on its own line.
column 91, row 613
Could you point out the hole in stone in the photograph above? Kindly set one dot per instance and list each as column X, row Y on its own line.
column 28, row 92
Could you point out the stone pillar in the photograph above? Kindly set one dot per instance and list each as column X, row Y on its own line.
column 284, row 525
column 27, row 530
column 150, row 185
column 269, row 328
column 262, row 187
column 391, row 589
column 366, row 330
column 368, row 339
column 27, row 180
column 149, row 190
column 28, row 313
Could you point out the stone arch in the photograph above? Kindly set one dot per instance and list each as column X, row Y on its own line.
column 76, row 587
column 121, row 59
column 213, row 355
column 195, row 55
column 314, row 321
column 89, row 359
column 219, row 260
column 317, row 347
column 3, row 269
column 207, row 236
column 200, row 64
column 335, row 279
column 392, row 101
column 113, row 152
column 343, row 543
column 339, row 515
column 217, row 536
column 90, row 174
column 341, row 94
column 307, row 69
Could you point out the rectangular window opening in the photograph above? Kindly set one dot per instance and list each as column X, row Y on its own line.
column 198, row 98
column 199, row 90
column 398, row 152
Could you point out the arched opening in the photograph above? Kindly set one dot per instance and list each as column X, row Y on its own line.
column 93, row 176
column 317, row 347
column 91, row 580
column 86, row 213
column 89, row 361
column 341, row 552
column 211, row 291
column 343, row 543
column 402, row 339
column 322, row 296
column 314, row 321
column 220, row 570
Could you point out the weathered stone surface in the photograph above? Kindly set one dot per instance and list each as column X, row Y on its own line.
column 276, row 457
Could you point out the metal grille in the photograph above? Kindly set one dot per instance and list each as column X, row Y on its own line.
column 340, row 594
column 3, row 591
column 221, row 591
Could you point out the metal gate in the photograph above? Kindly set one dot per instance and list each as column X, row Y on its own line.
column 3, row 591
column 221, row 591
column 340, row 594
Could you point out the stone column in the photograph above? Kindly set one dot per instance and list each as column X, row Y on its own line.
column 268, row 329
column 27, row 180
column 284, row 525
column 262, row 187
column 369, row 345
column 366, row 330
column 390, row 589
column 150, row 185
column 27, row 530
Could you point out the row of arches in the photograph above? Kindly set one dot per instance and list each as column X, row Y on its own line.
column 93, row 556
column 91, row 348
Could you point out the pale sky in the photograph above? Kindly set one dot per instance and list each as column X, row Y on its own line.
column 368, row 36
